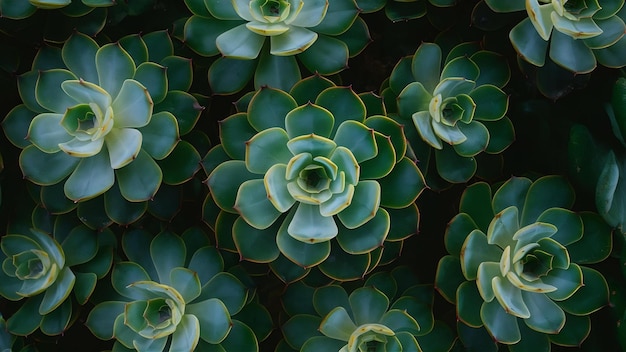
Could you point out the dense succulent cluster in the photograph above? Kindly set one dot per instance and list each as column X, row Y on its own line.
column 456, row 105
column 170, row 182
column 263, row 38
column 574, row 34
column 100, row 115
column 53, row 273
column 332, row 174
column 513, row 266
column 171, row 300
column 390, row 312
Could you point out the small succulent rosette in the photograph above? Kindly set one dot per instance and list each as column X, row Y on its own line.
column 97, row 116
column 576, row 35
column 51, row 275
column 515, row 265
column 263, row 38
column 455, row 106
column 389, row 312
column 172, row 294
column 307, row 176
column 599, row 168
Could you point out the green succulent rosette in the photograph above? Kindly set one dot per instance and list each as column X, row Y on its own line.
column 455, row 104
column 388, row 312
column 94, row 117
column 599, row 168
column 515, row 267
column 576, row 35
column 307, row 176
column 51, row 274
column 261, row 39
column 172, row 294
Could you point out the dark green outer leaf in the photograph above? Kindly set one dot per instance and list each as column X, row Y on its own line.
column 268, row 108
column 401, row 76
column 57, row 321
column 93, row 214
column 16, row 123
column 339, row 17
column 26, row 83
column 574, row 332
column 395, row 186
column 79, row 53
column 179, row 72
column 404, row 223
column 476, row 339
column 571, row 54
column 135, row 47
column 527, row 42
column 280, row 72
column 235, row 131
column 228, row 76
column 27, row 319
column 299, row 328
column 612, row 56
column 54, row 200
column 326, row 56
column 120, row 210
column 181, row 164
column 501, row 135
column 159, row 45
column 405, row 11
column 494, row 68
column 101, row 318
column 475, row 202
column 140, row 180
column 256, row 245
column 590, row 297
column 80, row 246
column 457, row 231
column 184, row 107
column 546, row 192
column 288, row 271
column 357, row 37
column 449, row 276
column 426, row 65
column 225, row 180
column 453, row 167
column 134, row 243
column 154, row 77
column 166, row 202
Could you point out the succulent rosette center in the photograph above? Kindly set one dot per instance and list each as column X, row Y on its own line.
column 286, row 22
column 98, row 120
column 159, row 314
column 532, row 270
column 32, row 263
column 570, row 17
column 314, row 172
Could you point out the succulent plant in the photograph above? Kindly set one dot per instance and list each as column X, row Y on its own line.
column 322, row 34
column 95, row 115
column 173, row 297
column 456, row 105
column 514, row 266
column 601, row 169
column 404, row 10
column 389, row 312
column 44, row 270
column 298, row 170
column 576, row 35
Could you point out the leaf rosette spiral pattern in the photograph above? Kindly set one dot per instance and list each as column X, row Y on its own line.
column 515, row 264
column 296, row 176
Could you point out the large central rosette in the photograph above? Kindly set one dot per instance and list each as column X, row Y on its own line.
column 302, row 174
